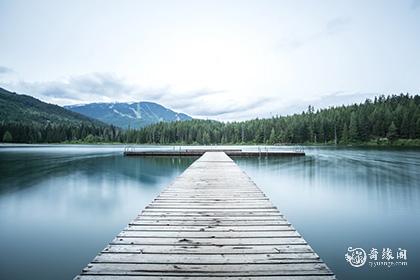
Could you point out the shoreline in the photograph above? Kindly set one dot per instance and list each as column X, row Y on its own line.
column 401, row 143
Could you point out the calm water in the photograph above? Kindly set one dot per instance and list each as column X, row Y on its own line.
column 340, row 198
column 60, row 205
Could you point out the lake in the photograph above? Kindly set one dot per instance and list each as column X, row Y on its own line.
column 61, row 204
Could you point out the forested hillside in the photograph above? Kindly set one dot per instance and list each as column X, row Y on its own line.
column 384, row 119
column 24, row 119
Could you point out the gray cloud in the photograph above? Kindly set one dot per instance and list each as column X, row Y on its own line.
column 415, row 4
column 96, row 87
column 54, row 90
column 332, row 27
column 106, row 87
column 5, row 70
column 189, row 100
column 103, row 87
column 333, row 99
column 100, row 85
column 229, row 110
column 337, row 25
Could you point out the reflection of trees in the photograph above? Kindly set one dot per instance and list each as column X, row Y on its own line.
column 374, row 170
column 21, row 170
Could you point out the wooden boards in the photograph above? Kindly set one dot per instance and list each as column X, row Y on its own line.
column 212, row 222
column 200, row 152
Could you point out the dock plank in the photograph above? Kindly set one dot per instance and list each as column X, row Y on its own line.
column 149, row 277
column 183, row 228
column 201, row 152
column 245, row 269
column 212, row 222
column 207, row 259
column 218, row 250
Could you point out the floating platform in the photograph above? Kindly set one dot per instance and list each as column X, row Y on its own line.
column 200, row 152
column 212, row 222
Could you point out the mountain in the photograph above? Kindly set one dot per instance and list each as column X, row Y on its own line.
column 25, row 119
column 27, row 110
column 125, row 115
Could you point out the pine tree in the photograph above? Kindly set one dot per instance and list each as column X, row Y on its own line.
column 417, row 132
column 345, row 135
column 405, row 125
column 206, row 138
column 392, row 132
column 272, row 139
column 353, row 130
column 7, row 137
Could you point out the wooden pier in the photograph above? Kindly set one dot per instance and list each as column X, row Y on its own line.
column 200, row 152
column 212, row 222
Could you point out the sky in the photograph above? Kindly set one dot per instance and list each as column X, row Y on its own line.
column 225, row 60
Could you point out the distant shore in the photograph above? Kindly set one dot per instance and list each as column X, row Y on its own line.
column 408, row 143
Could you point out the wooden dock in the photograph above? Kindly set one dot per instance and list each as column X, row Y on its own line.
column 212, row 222
column 200, row 152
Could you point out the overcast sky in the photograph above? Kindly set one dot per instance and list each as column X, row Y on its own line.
column 225, row 60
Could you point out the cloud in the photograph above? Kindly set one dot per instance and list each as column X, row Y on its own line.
column 332, row 27
column 189, row 100
column 201, row 103
column 337, row 25
column 230, row 107
column 5, row 70
column 415, row 4
column 322, row 101
column 106, row 87
column 290, row 44
column 95, row 87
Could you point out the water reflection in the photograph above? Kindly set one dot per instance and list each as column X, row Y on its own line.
column 339, row 198
column 60, row 205
column 21, row 170
column 58, row 209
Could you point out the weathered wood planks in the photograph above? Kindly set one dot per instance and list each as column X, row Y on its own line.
column 212, row 222
column 200, row 152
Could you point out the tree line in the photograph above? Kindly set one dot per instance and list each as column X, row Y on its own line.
column 15, row 132
column 382, row 119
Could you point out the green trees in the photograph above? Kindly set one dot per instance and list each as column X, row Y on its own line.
column 353, row 128
column 56, row 133
column 393, row 117
column 7, row 137
column 90, row 138
column 356, row 123
column 345, row 135
column 392, row 132
column 272, row 139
